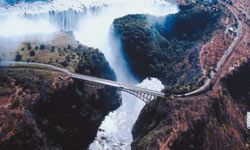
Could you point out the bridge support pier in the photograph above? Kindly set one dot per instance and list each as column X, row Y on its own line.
column 143, row 96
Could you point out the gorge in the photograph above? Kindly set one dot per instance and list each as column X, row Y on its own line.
column 84, row 25
column 169, row 46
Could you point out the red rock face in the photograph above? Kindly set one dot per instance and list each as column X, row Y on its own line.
column 46, row 110
column 18, row 125
column 204, row 122
column 214, row 120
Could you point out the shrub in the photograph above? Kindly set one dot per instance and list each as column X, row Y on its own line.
column 42, row 47
column 69, row 46
column 53, row 48
column 79, row 46
column 18, row 57
column 29, row 46
column 32, row 53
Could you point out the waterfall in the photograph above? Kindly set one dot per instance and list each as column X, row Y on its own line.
column 96, row 31
column 91, row 22
column 66, row 20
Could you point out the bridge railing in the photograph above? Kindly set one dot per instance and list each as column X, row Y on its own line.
column 142, row 93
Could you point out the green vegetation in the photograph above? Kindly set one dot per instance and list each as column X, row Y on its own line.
column 32, row 53
column 42, row 47
column 79, row 58
column 238, row 83
column 168, row 47
column 66, row 111
column 18, row 57
column 94, row 63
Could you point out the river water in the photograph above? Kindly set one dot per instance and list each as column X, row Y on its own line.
column 95, row 30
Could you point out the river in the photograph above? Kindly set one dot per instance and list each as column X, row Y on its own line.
column 95, row 30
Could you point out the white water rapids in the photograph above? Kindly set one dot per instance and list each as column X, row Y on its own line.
column 95, row 30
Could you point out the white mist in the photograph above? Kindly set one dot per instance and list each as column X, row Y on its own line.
column 96, row 31
column 15, row 29
column 17, row 26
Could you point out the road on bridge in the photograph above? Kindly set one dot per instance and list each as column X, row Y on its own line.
column 117, row 85
column 214, row 76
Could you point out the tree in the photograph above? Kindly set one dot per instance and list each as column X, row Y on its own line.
column 32, row 53
column 42, row 47
column 18, row 57
column 53, row 48
column 29, row 46
column 69, row 46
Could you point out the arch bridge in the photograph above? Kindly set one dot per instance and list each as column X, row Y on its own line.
column 144, row 94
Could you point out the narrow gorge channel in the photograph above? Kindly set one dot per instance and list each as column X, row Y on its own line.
column 97, row 31
column 94, row 29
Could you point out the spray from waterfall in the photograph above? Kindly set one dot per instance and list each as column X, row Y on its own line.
column 17, row 26
column 17, row 29
column 96, row 31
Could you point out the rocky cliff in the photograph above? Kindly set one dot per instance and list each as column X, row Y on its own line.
column 168, row 47
column 210, row 121
column 172, row 49
column 41, row 109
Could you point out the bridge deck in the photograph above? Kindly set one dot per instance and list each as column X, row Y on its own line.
column 118, row 85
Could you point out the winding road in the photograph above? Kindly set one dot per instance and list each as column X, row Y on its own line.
column 142, row 93
column 214, row 76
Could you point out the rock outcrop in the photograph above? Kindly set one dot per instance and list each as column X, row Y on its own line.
column 168, row 47
column 42, row 109
column 210, row 121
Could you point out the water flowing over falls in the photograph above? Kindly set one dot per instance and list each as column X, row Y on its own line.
column 115, row 131
column 91, row 22
column 96, row 31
